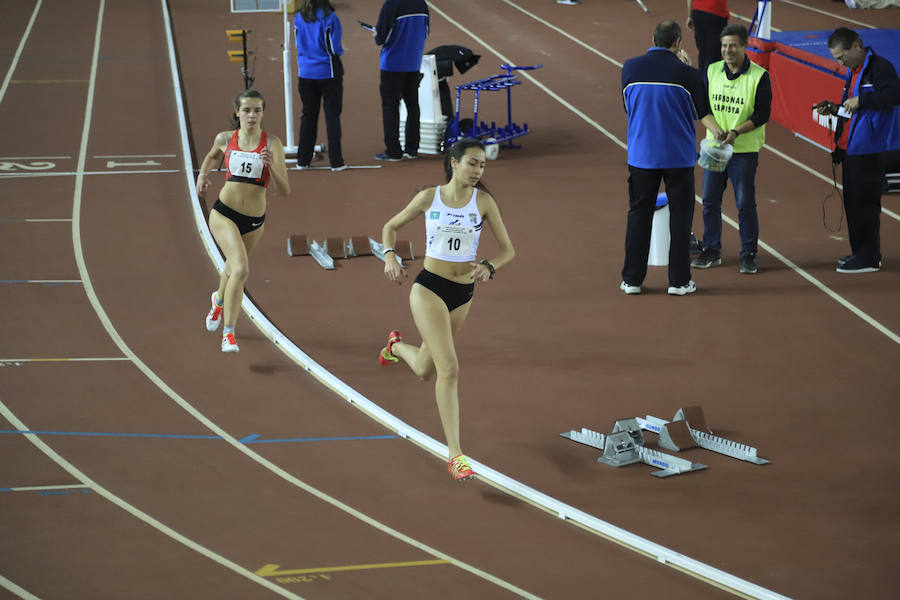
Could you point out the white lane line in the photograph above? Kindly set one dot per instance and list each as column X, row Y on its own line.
column 831, row 293
column 284, row 344
column 16, row 589
column 18, row 54
column 28, row 220
column 608, row 58
column 34, row 157
column 75, row 173
column 44, row 488
column 66, row 359
column 827, row 13
column 824, row 178
column 41, row 281
column 633, row 542
column 92, row 485
column 137, row 156
column 89, row 290
column 572, row 38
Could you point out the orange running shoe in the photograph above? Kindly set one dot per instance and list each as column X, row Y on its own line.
column 229, row 344
column 386, row 357
column 215, row 314
column 460, row 469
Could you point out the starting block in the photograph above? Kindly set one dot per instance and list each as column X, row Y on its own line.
column 402, row 250
column 625, row 446
column 688, row 430
column 300, row 245
column 586, row 436
column 339, row 248
column 359, row 245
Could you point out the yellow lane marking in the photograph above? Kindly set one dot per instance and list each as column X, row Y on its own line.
column 272, row 570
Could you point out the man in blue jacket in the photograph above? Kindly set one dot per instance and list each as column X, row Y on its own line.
column 872, row 97
column 401, row 31
column 663, row 97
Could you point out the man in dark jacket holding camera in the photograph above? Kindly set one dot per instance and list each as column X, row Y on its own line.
column 871, row 100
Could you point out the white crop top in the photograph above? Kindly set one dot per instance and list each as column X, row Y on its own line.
column 452, row 234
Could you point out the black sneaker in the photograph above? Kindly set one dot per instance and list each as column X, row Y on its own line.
column 748, row 263
column 855, row 265
column 696, row 247
column 387, row 157
column 844, row 259
column 410, row 155
column 708, row 258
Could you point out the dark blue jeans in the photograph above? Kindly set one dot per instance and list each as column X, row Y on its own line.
column 741, row 171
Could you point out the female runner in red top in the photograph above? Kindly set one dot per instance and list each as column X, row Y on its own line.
column 252, row 159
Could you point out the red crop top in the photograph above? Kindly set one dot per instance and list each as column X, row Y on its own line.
column 247, row 167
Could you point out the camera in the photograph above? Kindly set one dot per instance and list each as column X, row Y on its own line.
column 827, row 106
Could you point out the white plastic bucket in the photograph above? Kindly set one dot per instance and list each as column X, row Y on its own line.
column 714, row 155
column 659, row 233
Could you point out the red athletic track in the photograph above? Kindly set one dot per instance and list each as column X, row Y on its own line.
column 550, row 345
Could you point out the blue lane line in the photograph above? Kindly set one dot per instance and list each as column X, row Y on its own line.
column 250, row 439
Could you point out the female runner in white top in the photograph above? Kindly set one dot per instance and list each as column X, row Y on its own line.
column 440, row 298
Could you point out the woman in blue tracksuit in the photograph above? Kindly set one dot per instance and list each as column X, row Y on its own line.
column 317, row 31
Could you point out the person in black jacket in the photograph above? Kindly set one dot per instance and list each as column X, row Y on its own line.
column 401, row 31
column 872, row 97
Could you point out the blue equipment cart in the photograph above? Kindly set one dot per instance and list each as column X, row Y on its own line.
column 503, row 134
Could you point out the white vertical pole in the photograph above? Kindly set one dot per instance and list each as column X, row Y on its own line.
column 763, row 20
column 290, row 146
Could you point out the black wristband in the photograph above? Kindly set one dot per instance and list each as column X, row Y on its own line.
column 490, row 267
column 735, row 132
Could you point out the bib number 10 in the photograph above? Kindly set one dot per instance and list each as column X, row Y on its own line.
column 453, row 244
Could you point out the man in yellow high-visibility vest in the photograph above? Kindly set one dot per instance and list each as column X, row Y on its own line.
column 740, row 98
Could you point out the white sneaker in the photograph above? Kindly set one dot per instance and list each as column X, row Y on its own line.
column 229, row 344
column 630, row 289
column 215, row 314
column 690, row 288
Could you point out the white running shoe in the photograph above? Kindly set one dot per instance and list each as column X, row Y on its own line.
column 630, row 289
column 215, row 314
column 229, row 344
column 690, row 288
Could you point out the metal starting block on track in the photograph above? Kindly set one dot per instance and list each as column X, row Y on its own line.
column 340, row 248
column 625, row 445
column 402, row 250
column 688, row 430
